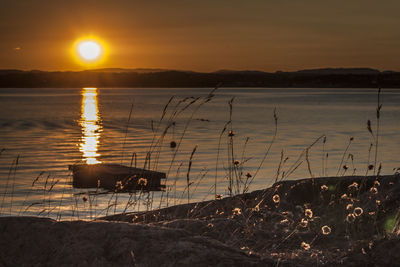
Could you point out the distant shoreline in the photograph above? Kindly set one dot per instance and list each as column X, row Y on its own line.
column 320, row 78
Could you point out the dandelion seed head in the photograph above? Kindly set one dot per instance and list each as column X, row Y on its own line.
column 308, row 213
column 303, row 223
column 374, row 190
column 237, row 211
column 350, row 218
column 142, row 181
column 305, row 246
column 358, row 211
column 354, row 185
column 284, row 222
column 326, row 230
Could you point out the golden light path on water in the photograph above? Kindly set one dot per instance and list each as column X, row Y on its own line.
column 91, row 127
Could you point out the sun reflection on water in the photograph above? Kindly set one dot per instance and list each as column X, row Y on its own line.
column 91, row 126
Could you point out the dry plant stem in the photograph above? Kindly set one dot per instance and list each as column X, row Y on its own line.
column 279, row 167
column 323, row 157
column 126, row 132
column 308, row 164
column 344, row 154
column 6, row 189
column 216, row 164
column 13, row 184
column 205, row 100
column 378, row 115
column 298, row 161
column 269, row 146
column 188, row 173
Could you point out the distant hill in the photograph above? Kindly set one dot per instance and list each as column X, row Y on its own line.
column 118, row 70
column 116, row 77
column 339, row 71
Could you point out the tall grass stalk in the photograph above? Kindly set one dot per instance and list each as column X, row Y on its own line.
column 378, row 115
column 126, row 131
column 6, row 188
column 13, row 184
column 188, row 183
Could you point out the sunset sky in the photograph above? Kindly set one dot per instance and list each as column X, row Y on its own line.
column 205, row 35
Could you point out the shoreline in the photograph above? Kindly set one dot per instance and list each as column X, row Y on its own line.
column 350, row 220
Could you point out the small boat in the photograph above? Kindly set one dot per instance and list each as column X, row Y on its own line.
column 115, row 177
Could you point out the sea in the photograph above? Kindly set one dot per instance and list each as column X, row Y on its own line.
column 229, row 141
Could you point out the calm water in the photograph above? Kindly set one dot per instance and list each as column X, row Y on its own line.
column 50, row 129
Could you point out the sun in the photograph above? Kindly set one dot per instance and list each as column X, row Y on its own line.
column 89, row 51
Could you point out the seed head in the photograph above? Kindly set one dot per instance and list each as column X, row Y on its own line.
column 324, row 188
column 354, row 186
column 370, row 166
column 276, row 198
column 350, row 218
column 237, row 211
column 303, row 223
column 374, row 190
column 305, row 246
column 377, row 183
column 308, row 213
column 358, row 211
column 231, row 134
column 326, row 230
column 284, row 222
column 142, row 181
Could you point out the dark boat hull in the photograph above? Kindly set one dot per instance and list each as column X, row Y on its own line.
column 116, row 177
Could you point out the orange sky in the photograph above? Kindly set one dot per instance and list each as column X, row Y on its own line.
column 203, row 35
